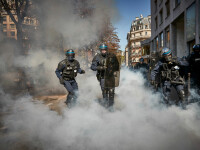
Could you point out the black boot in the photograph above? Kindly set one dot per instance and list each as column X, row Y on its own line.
column 70, row 102
column 105, row 98
column 111, row 100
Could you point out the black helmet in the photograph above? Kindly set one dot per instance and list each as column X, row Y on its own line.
column 70, row 54
column 141, row 59
column 196, row 47
column 166, row 51
column 103, row 46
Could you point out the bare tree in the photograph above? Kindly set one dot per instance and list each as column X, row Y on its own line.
column 17, row 10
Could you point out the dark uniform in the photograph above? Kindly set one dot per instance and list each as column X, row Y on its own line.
column 194, row 67
column 170, row 75
column 106, row 65
column 142, row 67
column 139, row 66
column 66, row 72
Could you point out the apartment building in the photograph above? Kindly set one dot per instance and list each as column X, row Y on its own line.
column 175, row 24
column 140, row 31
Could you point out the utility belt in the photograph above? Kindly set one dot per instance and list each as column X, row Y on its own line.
column 68, row 79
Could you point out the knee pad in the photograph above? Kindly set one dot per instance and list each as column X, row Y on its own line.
column 182, row 94
column 112, row 91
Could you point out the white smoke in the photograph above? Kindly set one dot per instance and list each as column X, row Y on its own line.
column 40, row 66
column 139, row 121
column 80, row 22
column 56, row 19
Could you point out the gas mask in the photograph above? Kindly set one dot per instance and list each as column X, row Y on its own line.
column 104, row 53
column 168, row 58
column 70, row 58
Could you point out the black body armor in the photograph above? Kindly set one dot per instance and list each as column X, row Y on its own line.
column 170, row 72
column 70, row 69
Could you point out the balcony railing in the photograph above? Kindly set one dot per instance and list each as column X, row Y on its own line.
column 136, row 46
column 140, row 37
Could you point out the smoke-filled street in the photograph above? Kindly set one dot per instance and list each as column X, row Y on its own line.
column 68, row 80
column 138, row 122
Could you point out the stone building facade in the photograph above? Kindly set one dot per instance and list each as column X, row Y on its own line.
column 140, row 31
column 175, row 24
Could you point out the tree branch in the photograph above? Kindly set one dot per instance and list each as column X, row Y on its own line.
column 24, row 13
column 18, row 11
column 8, row 10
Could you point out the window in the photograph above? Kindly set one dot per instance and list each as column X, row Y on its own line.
column 133, row 35
column 12, row 26
column 168, row 38
column 190, row 23
column 4, row 26
column 177, row 2
column 12, row 33
column 155, row 4
column 156, row 22
column 146, row 33
column 140, row 33
column 161, row 16
column 160, row 2
column 157, row 43
column 146, row 26
column 161, row 39
column 167, row 5
column 4, row 18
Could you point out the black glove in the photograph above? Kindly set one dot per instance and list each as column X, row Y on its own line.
column 61, row 80
column 82, row 72
column 101, row 68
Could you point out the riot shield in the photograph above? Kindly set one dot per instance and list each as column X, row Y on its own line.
column 117, row 73
column 111, row 77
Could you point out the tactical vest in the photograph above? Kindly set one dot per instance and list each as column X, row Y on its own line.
column 70, row 70
column 101, row 62
column 170, row 72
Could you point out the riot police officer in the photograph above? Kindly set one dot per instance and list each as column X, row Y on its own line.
column 141, row 64
column 106, row 65
column 66, row 72
column 142, row 67
column 168, row 69
column 194, row 66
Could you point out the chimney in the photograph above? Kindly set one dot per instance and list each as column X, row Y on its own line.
column 141, row 16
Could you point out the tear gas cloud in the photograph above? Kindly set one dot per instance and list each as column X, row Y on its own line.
column 66, row 19
column 139, row 121
column 80, row 22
